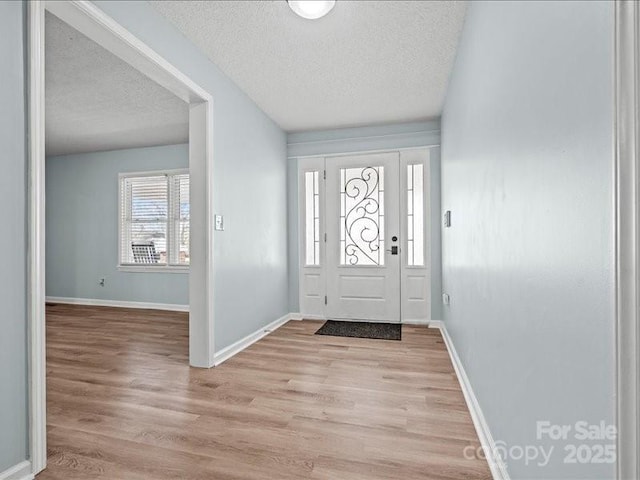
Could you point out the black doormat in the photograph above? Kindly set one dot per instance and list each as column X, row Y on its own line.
column 381, row 331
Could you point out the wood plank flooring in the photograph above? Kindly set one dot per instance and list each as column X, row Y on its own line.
column 122, row 403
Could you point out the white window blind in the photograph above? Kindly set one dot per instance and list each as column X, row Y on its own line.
column 154, row 219
column 179, row 211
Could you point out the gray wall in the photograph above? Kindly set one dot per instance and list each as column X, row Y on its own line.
column 13, row 341
column 82, row 227
column 528, row 262
column 362, row 139
column 436, row 234
column 293, row 258
column 250, row 186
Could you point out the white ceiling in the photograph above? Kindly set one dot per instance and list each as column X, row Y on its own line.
column 95, row 101
column 366, row 62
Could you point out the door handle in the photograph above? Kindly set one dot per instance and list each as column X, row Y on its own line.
column 393, row 250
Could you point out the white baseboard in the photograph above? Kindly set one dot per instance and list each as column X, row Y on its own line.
column 415, row 321
column 496, row 464
column 304, row 316
column 119, row 303
column 21, row 471
column 235, row 348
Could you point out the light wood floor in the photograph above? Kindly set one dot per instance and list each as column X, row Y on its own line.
column 123, row 404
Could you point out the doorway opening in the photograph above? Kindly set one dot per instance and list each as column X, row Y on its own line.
column 93, row 23
column 364, row 230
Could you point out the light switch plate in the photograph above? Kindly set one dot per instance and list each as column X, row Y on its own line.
column 219, row 222
column 447, row 219
column 445, row 299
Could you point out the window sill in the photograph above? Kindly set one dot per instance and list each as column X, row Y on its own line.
column 154, row 269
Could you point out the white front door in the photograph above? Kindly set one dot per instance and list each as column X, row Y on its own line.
column 363, row 237
column 353, row 211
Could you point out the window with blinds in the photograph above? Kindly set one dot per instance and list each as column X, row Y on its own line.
column 154, row 219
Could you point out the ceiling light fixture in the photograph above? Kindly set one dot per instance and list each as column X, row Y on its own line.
column 311, row 9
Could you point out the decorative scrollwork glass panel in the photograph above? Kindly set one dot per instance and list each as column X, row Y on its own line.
column 362, row 216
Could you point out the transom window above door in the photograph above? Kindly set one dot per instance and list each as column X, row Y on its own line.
column 154, row 220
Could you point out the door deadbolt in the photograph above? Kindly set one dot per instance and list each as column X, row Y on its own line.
column 394, row 239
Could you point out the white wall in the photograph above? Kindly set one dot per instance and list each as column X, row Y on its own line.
column 83, row 222
column 528, row 262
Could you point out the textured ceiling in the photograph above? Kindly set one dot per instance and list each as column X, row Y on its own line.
column 366, row 62
column 95, row 101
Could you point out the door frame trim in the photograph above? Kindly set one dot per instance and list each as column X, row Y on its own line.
column 302, row 163
column 627, row 235
column 90, row 20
